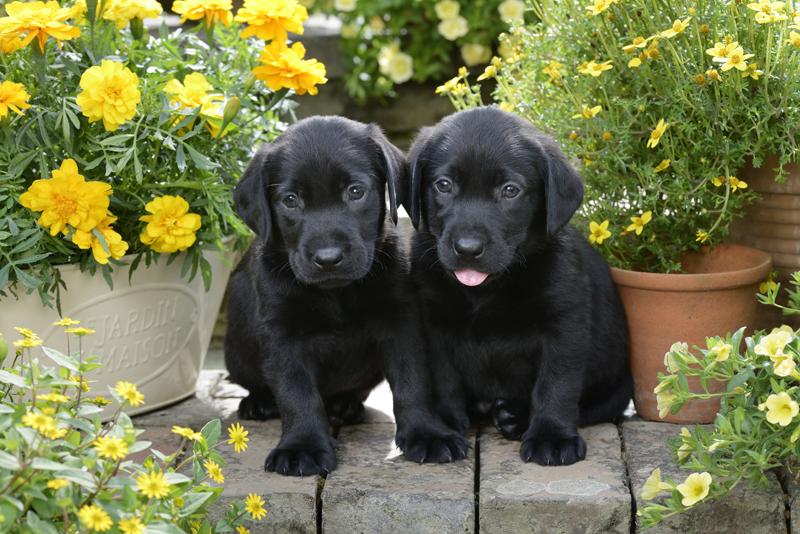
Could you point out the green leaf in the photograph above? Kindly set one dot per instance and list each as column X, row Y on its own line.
column 205, row 270
column 11, row 378
column 163, row 527
column 46, row 464
column 4, row 275
column 116, row 140
column 107, row 276
column 739, row 380
column 192, row 502
column 9, row 461
column 101, row 238
column 212, row 431
column 60, row 359
column 180, row 158
column 27, row 279
column 200, row 160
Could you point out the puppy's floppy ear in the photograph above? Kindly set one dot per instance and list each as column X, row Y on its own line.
column 413, row 201
column 563, row 186
column 395, row 167
column 250, row 196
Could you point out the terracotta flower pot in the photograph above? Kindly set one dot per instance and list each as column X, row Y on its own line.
column 716, row 297
column 772, row 224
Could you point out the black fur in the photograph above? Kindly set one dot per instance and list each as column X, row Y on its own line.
column 540, row 346
column 321, row 305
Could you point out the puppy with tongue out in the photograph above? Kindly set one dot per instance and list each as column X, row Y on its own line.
column 523, row 323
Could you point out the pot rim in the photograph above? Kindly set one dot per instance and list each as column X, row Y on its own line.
column 716, row 281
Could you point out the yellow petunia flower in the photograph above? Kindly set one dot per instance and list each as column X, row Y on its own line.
column 238, row 436
column 655, row 135
column 685, row 449
column 121, row 12
column 664, row 401
column 128, row 391
column 596, row 69
column 271, row 19
column 695, row 488
column 38, row 20
column 131, row 525
column 773, row 344
column 653, row 486
column 781, row 409
column 214, row 471
column 677, row 27
column 171, row 227
column 722, row 350
column 67, row 199
column 255, row 505
column 783, row 363
column 736, row 59
column 588, row 113
column 153, row 485
column 447, row 9
column 116, row 247
column 13, row 96
column 284, row 67
column 110, row 92
column 111, row 447
column 662, row 166
column 598, row 232
column 212, row 11
column 57, row 483
column 639, row 222
column 95, row 518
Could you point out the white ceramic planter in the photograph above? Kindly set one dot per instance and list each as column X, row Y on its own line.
column 153, row 332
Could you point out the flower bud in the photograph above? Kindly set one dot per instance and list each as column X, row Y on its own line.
column 3, row 349
column 249, row 82
column 231, row 109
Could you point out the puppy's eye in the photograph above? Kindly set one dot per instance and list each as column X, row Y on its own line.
column 510, row 191
column 355, row 192
column 290, row 201
column 444, row 186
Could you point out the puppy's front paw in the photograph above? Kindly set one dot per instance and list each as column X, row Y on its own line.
column 552, row 449
column 257, row 407
column 344, row 410
column 302, row 460
column 510, row 419
column 437, row 445
column 456, row 419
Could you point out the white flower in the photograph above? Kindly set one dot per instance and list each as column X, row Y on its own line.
column 344, row 5
column 475, row 54
column 452, row 29
column 447, row 9
column 401, row 67
column 511, row 10
column 385, row 57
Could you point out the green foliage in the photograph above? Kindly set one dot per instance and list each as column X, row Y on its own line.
column 53, row 464
column 163, row 150
column 687, row 181
column 757, row 427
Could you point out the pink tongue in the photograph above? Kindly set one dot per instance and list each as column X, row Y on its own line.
column 468, row 277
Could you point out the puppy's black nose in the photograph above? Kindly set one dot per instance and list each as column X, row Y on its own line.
column 468, row 246
column 328, row 257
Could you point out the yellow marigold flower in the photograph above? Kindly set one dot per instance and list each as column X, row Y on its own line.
column 722, row 350
column 653, row 486
column 13, row 95
column 171, row 227
column 655, row 135
column 111, row 447
column 79, row 8
column 121, row 12
column 28, row 343
column 664, row 401
column 38, row 20
column 598, row 232
column 781, row 409
column 794, row 39
column 10, row 43
column 752, row 71
column 212, row 11
column 53, row 397
column 701, row 236
column 285, row 67
column 598, row 7
column 214, row 471
column 662, row 166
column 588, row 113
column 67, row 322
column 116, row 249
column 110, row 92
column 735, row 59
column 721, row 50
column 131, row 525
column 67, row 199
column 128, row 391
column 639, row 222
column 271, row 19
column 677, row 27
column 596, row 69
column 695, row 488
column 238, row 437
column 193, row 93
column 57, row 483
column 255, row 505
column 153, row 485
column 38, row 421
column 95, row 518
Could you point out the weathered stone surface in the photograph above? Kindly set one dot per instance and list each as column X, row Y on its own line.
column 291, row 502
column 376, row 490
column 741, row 511
column 193, row 412
column 588, row 496
column 791, row 483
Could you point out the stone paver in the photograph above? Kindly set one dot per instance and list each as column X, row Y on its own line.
column 741, row 511
column 589, row 496
column 376, row 490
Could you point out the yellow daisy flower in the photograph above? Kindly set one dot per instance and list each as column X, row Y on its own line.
column 722, row 50
column 596, row 69
column 80, row 331
column 53, row 397
column 588, row 113
column 598, row 232
column 677, row 27
column 794, row 39
column 752, row 71
column 736, row 59
column 128, row 391
column 28, row 342
column 57, row 483
column 186, row 432
column 255, row 505
column 238, row 437
column 66, row 322
column 131, row 525
column 662, row 166
column 214, row 471
column 639, row 222
column 701, row 236
column 111, row 447
column 655, row 135
column 153, row 485
column 95, row 518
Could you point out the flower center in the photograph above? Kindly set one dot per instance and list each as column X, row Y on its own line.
column 112, row 94
column 66, row 203
column 656, row 134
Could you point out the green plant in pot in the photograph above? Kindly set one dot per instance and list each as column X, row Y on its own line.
column 662, row 105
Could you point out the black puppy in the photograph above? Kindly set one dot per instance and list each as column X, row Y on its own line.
column 321, row 305
column 522, row 318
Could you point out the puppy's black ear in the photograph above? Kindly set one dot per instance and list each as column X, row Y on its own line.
column 395, row 167
column 563, row 186
column 250, row 196
column 416, row 162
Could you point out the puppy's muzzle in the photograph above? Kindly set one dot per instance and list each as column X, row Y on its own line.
column 327, row 259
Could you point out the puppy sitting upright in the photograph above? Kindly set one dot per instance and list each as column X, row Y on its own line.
column 321, row 304
column 522, row 318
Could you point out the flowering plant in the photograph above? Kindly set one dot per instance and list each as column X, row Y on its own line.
column 662, row 105
column 757, row 427
column 385, row 44
column 63, row 470
column 117, row 143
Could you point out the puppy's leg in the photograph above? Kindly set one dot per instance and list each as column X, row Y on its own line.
column 510, row 418
column 346, row 408
column 449, row 398
column 260, row 403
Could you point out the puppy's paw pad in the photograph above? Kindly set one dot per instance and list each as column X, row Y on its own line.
column 344, row 411
column 301, row 462
column 433, row 446
column 510, row 419
column 553, row 451
column 255, row 407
